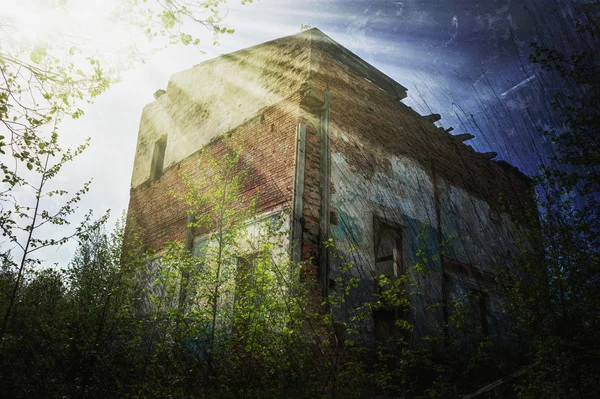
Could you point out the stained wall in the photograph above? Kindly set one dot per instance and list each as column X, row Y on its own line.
column 387, row 161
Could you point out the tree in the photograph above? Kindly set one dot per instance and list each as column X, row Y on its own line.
column 577, row 146
column 71, row 332
column 218, row 208
column 558, row 304
column 44, row 79
column 20, row 223
column 241, row 293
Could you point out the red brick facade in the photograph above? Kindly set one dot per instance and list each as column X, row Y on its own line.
column 268, row 140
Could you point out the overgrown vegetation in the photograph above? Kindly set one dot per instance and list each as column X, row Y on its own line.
column 228, row 315
column 224, row 315
column 559, row 306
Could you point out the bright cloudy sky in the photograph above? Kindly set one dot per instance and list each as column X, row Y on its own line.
column 465, row 60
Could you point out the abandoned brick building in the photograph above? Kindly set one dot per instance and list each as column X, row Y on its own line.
column 328, row 137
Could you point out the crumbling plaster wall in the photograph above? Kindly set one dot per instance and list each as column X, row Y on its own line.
column 389, row 161
column 478, row 234
column 403, row 197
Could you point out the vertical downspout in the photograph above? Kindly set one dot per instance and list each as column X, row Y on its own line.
column 297, row 203
column 437, row 194
column 325, row 193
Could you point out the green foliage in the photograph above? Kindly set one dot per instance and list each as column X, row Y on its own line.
column 75, row 331
column 225, row 315
column 553, row 290
column 63, row 335
column 576, row 145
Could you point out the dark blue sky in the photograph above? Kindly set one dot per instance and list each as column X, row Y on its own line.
column 466, row 60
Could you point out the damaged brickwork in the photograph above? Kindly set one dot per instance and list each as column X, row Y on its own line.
column 386, row 166
column 268, row 151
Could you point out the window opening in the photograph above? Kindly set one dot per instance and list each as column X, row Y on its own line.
column 388, row 262
column 244, row 275
column 388, row 250
column 479, row 304
column 158, row 157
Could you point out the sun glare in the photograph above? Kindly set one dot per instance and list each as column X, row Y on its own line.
column 39, row 20
column 102, row 28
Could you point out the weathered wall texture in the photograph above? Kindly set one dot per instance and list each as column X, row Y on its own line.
column 216, row 96
column 385, row 162
column 388, row 161
column 268, row 141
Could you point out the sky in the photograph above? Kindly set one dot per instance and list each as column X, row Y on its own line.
column 466, row 60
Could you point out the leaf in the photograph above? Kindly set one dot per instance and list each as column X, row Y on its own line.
column 35, row 57
column 38, row 54
column 168, row 19
column 29, row 166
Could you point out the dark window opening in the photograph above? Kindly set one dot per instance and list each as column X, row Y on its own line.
column 244, row 275
column 384, row 324
column 243, row 301
column 158, row 158
column 388, row 247
column 388, row 250
column 479, row 304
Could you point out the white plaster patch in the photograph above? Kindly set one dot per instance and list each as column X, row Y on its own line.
column 407, row 190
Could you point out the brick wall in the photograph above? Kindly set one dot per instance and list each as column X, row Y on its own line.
column 268, row 139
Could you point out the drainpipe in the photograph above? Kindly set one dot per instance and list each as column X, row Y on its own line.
column 437, row 195
column 325, row 163
column 297, row 203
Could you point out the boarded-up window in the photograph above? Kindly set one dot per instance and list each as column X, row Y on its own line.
column 388, row 250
